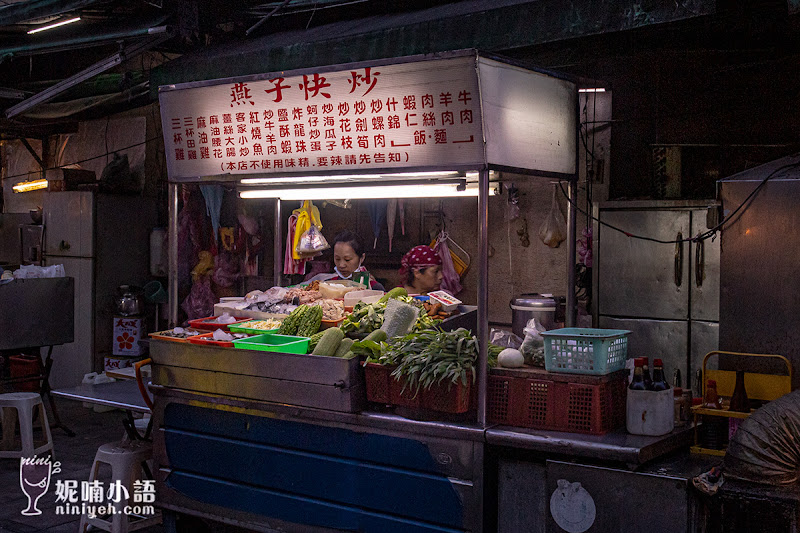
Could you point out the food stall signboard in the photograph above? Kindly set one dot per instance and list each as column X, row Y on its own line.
column 418, row 114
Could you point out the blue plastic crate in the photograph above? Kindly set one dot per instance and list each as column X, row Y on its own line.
column 585, row 350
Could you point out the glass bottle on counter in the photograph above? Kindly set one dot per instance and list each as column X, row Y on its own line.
column 638, row 375
column 648, row 381
column 739, row 401
column 659, row 381
column 712, row 401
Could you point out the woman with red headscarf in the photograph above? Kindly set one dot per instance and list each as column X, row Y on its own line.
column 421, row 270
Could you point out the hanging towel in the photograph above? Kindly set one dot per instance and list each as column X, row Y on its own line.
column 290, row 264
column 213, row 197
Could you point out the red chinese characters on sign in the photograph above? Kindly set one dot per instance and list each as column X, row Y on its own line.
column 315, row 86
column 278, row 88
column 368, row 79
column 355, row 131
column 240, row 94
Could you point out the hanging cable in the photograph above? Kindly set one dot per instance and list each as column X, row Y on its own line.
column 708, row 234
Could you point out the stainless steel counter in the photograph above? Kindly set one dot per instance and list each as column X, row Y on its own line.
column 618, row 446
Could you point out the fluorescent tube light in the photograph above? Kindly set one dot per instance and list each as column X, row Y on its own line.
column 428, row 190
column 25, row 186
column 592, row 90
column 303, row 179
column 54, row 25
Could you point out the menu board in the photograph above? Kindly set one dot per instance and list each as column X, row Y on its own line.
column 389, row 117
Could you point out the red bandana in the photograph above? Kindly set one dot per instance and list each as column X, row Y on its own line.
column 419, row 257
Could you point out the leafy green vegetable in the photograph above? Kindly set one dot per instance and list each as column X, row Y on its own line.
column 366, row 318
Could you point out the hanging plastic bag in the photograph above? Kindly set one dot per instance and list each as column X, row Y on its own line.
column 451, row 282
column 312, row 241
column 307, row 216
column 554, row 230
column 533, row 346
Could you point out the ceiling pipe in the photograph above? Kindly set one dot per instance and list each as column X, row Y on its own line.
column 86, row 41
column 48, row 94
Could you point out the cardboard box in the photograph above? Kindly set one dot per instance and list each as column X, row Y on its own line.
column 128, row 331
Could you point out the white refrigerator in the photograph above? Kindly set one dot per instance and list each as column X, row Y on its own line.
column 103, row 242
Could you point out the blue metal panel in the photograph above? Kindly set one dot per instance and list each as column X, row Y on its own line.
column 295, row 509
column 307, row 474
column 421, row 496
column 381, row 449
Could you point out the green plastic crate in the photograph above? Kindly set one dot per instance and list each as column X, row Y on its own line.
column 272, row 342
column 585, row 350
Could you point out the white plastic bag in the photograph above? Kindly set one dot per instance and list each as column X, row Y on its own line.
column 554, row 230
column 506, row 339
column 312, row 241
column 533, row 346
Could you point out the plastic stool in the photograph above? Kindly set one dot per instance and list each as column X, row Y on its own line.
column 21, row 405
column 125, row 459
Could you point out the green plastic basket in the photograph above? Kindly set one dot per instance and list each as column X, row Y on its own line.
column 241, row 327
column 272, row 342
column 585, row 350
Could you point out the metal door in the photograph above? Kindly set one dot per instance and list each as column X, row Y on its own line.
column 69, row 224
column 664, row 339
column 643, row 278
column 595, row 499
column 704, row 256
column 705, row 338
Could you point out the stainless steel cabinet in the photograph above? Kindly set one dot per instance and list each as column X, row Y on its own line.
column 666, row 293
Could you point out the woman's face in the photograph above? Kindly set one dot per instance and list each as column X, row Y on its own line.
column 428, row 279
column 345, row 258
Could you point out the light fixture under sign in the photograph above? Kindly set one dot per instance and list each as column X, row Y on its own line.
column 592, row 90
column 25, row 186
column 365, row 192
column 54, row 25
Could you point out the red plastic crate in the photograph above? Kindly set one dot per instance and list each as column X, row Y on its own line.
column 454, row 400
column 203, row 323
column 535, row 398
column 383, row 388
column 377, row 379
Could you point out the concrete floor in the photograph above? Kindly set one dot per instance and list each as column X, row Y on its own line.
column 76, row 455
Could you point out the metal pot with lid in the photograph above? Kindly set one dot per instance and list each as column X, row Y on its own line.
column 533, row 305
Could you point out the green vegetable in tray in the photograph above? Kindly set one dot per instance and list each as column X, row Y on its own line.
column 366, row 318
column 433, row 356
column 344, row 347
column 329, row 342
column 314, row 339
column 394, row 293
column 310, row 321
column 291, row 322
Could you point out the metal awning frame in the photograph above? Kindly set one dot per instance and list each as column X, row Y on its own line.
column 483, row 209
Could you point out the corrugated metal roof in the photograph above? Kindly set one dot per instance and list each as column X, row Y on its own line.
column 491, row 25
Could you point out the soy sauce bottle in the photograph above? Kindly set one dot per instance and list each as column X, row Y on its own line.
column 659, row 381
column 638, row 375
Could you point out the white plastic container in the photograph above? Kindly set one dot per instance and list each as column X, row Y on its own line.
column 369, row 296
column 650, row 412
column 448, row 301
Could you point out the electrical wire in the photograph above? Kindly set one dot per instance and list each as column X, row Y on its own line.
column 708, row 234
column 89, row 158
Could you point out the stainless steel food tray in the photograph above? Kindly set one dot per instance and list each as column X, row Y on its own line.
column 329, row 383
